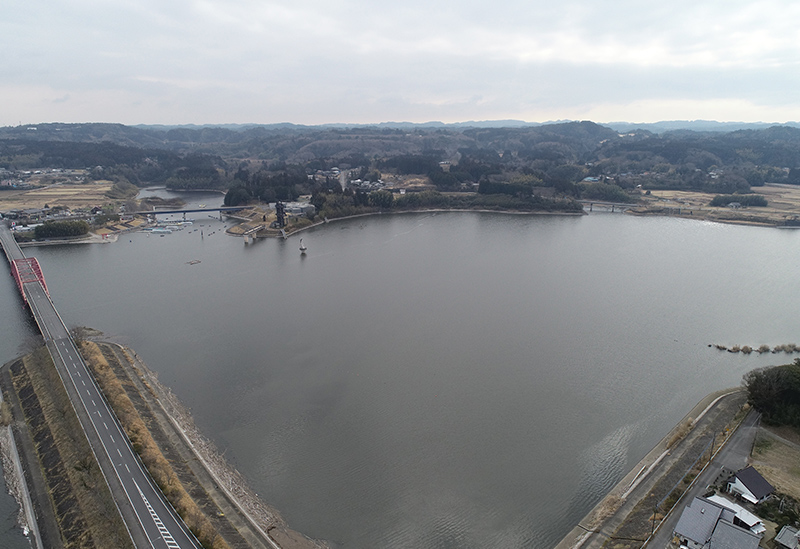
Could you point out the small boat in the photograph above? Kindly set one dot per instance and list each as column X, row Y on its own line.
column 303, row 247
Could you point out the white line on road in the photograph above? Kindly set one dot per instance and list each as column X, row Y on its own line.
column 165, row 535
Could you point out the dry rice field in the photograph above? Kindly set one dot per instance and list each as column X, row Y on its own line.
column 68, row 195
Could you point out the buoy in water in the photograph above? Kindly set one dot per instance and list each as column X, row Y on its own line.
column 303, row 247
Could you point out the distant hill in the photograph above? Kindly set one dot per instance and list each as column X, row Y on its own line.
column 718, row 157
column 693, row 125
column 298, row 144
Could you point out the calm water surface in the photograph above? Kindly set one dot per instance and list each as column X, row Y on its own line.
column 436, row 381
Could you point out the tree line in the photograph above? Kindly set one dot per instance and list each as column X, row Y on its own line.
column 775, row 392
column 57, row 229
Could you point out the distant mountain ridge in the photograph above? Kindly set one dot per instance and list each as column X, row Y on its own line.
column 622, row 127
column 694, row 125
column 161, row 135
column 719, row 157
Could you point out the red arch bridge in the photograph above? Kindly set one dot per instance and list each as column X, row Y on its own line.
column 27, row 270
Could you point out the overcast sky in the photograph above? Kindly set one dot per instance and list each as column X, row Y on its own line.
column 359, row 61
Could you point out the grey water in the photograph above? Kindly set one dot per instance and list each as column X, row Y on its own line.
column 435, row 380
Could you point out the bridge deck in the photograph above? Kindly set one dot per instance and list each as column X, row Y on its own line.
column 192, row 210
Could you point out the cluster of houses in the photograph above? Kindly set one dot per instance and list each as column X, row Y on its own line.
column 20, row 179
column 716, row 522
column 367, row 186
column 28, row 218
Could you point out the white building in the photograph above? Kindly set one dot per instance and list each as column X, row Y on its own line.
column 750, row 485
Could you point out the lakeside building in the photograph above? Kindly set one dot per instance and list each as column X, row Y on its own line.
column 742, row 518
column 705, row 524
column 748, row 484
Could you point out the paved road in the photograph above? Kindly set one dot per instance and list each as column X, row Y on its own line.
column 10, row 246
column 151, row 521
column 732, row 457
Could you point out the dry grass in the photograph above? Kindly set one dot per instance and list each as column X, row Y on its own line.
column 779, row 463
column 607, row 508
column 81, row 500
column 783, row 202
column 70, row 196
column 5, row 414
column 680, row 432
column 158, row 466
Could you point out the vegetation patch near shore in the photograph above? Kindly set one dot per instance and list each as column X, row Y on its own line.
column 775, row 392
column 84, row 509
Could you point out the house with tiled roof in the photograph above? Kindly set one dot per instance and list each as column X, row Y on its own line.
column 705, row 524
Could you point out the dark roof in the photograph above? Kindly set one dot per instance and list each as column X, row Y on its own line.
column 754, row 482
column 728, row 536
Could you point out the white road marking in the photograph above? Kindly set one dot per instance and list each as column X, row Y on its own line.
column 165, row 535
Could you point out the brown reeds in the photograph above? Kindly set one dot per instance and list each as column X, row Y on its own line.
column 152, row 457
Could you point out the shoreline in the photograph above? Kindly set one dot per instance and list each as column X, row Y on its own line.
column 15, row 484
column 114, row 236
column 267, row 520
column 575, row 538
column 401, row 212
column 225, row 490
column 223, row 478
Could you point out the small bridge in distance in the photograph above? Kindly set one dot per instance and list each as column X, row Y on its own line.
column 189, row 210
column 615, row 206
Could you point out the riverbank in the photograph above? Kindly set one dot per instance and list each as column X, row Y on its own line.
column 604, row 516
column 240, row 513
column 101, row 238
column 238, row 230
column 53, row 467
column 69, row 495
column 783, row 206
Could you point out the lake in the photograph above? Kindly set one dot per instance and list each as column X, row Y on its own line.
column 435, row 380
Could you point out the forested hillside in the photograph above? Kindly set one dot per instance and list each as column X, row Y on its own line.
column 572, row 159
